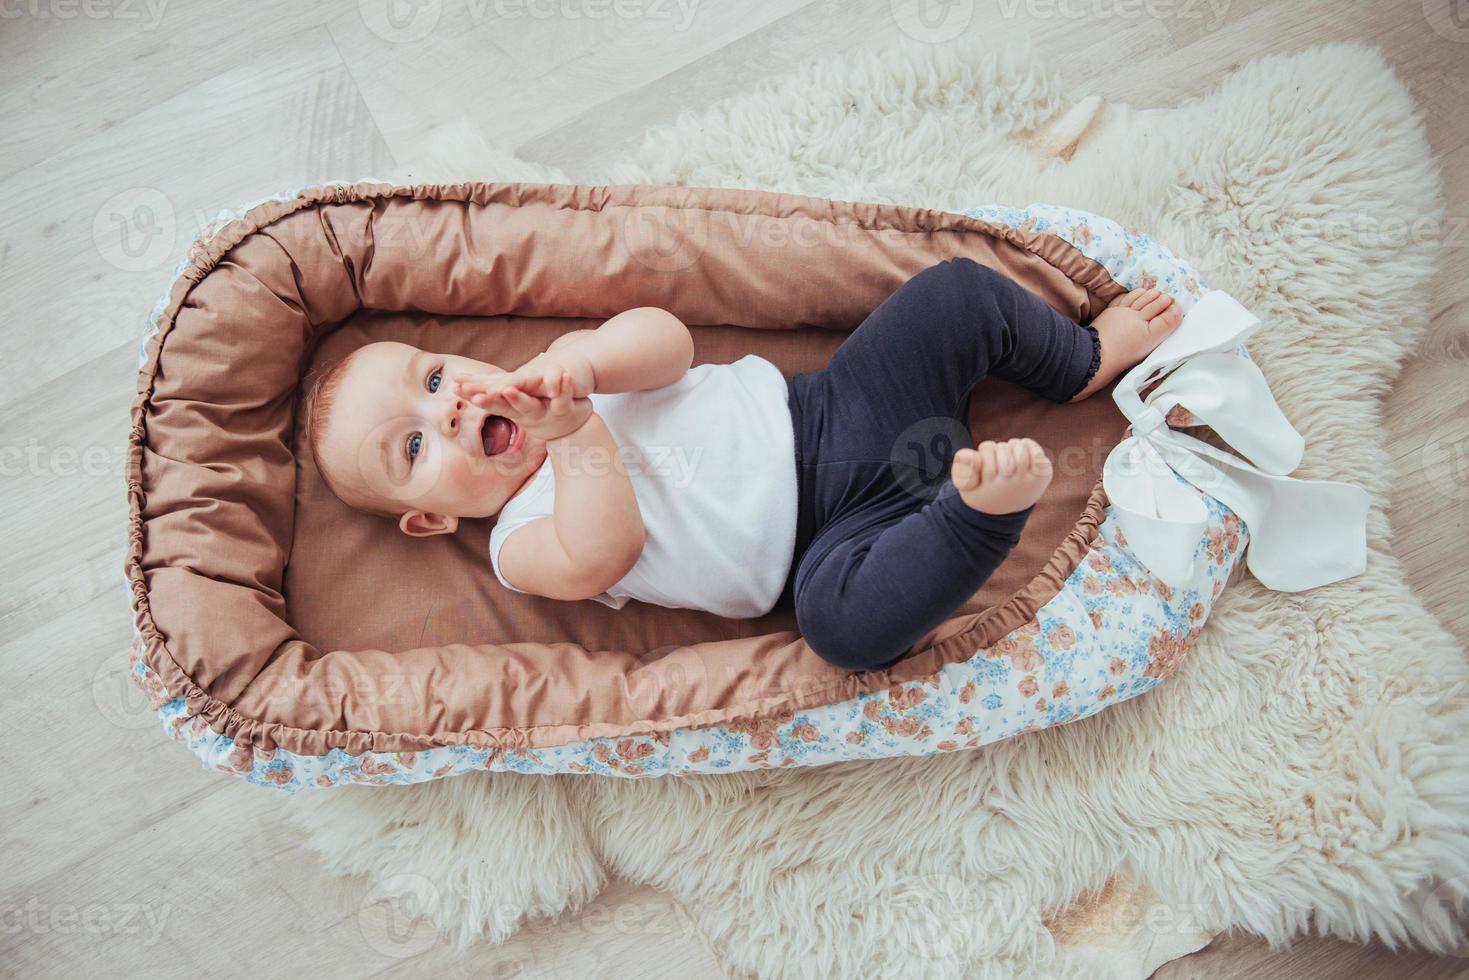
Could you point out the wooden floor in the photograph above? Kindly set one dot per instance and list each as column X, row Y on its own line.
column 128, row 123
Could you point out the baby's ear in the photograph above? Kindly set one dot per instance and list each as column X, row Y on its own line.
column 420, row 524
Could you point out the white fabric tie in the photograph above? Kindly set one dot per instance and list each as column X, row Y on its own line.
column 1303, row 533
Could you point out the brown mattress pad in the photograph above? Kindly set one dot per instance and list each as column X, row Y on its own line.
column 286, row 619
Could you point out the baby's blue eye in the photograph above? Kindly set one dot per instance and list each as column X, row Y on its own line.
column 415, row 442
column 433, row 381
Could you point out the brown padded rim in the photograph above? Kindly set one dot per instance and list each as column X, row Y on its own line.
column 211, row 474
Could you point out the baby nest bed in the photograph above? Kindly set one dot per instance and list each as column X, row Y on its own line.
column 289, row 640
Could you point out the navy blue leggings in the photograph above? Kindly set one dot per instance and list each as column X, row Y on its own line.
column 886, row 549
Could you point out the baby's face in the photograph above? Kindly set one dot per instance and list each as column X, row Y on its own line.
column 402, row 435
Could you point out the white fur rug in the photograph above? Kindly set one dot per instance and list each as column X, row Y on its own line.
column 1308, row 767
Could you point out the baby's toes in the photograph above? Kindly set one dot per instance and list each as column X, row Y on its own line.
column 1156, row 306
column 1125, row 300
column 1140, row 298
column 1168, row 321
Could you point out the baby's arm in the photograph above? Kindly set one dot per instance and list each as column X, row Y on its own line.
column 595, row 533
column 637, row 349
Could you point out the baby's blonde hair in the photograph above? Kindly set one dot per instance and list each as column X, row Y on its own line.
column 321, row 398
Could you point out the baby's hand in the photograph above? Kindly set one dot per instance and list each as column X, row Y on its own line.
column 560, row 414
column 536, row 376
column 477, row 387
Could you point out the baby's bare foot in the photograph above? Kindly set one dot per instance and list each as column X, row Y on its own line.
column 1129, row 329
column 1001, row 477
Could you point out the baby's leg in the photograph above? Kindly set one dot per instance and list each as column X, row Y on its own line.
column 886, row 564
column 869, row 587
column 921, row 351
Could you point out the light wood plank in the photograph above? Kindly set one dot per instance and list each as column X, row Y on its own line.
column 111, row 215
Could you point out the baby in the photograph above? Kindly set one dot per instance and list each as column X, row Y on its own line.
column 616, row 471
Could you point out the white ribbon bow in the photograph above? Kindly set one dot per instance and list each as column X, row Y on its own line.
column 1303, row 533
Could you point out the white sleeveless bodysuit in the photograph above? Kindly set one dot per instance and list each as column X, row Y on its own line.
column 711, row 459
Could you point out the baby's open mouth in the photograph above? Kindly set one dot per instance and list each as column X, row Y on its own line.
column 498, row 434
